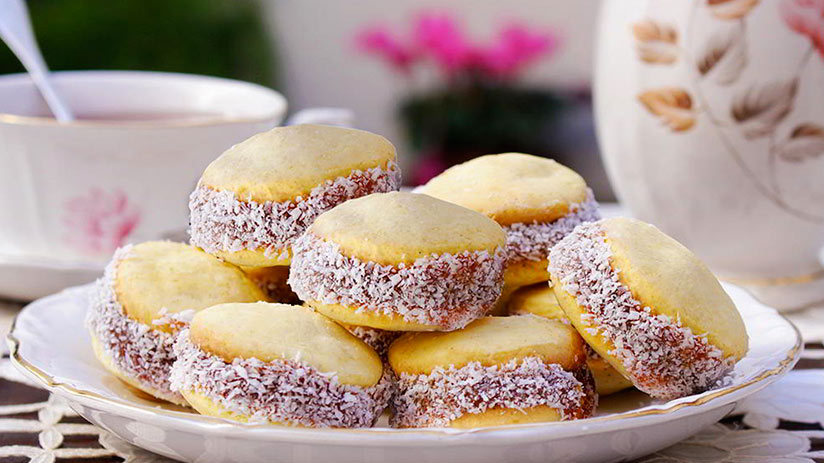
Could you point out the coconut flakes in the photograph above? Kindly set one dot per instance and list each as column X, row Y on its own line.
column 377, row 339
column 280, row 391
column 220, row 221
column 532, row 241
column 445, row 394
column 139, row 351
column 447, row 290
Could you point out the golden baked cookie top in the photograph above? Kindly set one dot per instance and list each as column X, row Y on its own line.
column 489, row 341
column 269, row 332
column 663, row 274
column 511, row 187
column 158, row 275
column 390, row 228
column 287, row 162
column 537, row 299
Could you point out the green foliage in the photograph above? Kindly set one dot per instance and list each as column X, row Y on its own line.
column 223, row 38
column 481, row 118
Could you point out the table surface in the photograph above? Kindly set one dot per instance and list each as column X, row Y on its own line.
column 35, row 426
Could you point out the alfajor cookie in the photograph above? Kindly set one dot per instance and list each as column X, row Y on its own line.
column 254, row 200
column 539, row 299
column 400, row 262
column 647, row 305
column 148, row 292
column 496, row 371
column 535, row 199
column 279, row 364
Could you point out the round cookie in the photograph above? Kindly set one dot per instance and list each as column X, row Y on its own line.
column 647, row 305
column 280, row 364
column 272, row 280
column 535, row 199
column 400, row 262
column 148, row 292
column 539, row 299
column 254, row 200
column 485, row 373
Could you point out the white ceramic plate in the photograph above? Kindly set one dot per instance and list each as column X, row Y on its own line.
column 50, row 345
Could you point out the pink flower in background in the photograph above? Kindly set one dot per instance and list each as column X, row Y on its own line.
column 438, row 35
column 379, row 41
column 517, row 47
column 806, row 17
column 99, row 221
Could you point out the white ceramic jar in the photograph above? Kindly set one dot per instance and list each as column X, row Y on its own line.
column 710, row 118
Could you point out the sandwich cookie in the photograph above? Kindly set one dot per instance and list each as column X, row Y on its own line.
column 496, row 371
column 648, row 306
column 279, row 364
column 254, row 200
column 400, row 262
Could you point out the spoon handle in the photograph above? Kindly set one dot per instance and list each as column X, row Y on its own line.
column 16, row 31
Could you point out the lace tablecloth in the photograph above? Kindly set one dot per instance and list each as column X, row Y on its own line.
column 784, row 423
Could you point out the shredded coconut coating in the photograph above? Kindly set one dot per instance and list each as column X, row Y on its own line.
column 663, row 358
column 281, row 391
column 376, row 338
column 139, row 351
column 448, row 290
column 438, row 398
column 532, row 241
column 220, row 221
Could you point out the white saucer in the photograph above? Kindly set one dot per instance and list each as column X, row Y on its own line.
column 50, row 345
column 26, row 279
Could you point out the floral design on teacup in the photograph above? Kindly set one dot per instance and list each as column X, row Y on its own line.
column 99, row 221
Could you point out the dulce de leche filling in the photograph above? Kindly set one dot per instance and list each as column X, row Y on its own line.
column 446, row 290
column 663, row 358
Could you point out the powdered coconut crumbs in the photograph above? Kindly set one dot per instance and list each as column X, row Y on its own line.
column 663, row 358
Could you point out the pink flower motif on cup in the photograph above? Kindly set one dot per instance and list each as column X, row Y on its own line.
column 806, row 17
column 99, row 221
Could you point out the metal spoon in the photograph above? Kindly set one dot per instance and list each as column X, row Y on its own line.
column 16, row 31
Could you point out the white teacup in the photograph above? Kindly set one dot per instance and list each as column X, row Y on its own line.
column 121, row 173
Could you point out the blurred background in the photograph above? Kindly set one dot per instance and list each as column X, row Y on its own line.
column 444, row 82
